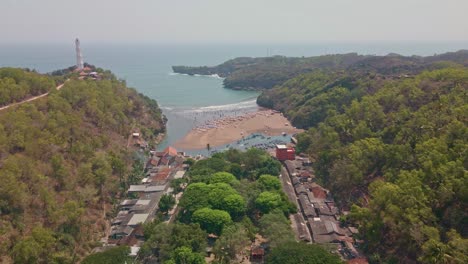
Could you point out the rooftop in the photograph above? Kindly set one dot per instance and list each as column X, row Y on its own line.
column 134, row 251
column 155, row 188
column 137, row 188
column 171, row 151
column 127, row 230
column 143, row 202
column 128, row 202
column 138, row 219
column 179, row 174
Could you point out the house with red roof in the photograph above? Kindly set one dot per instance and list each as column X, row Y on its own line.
column 167, row 156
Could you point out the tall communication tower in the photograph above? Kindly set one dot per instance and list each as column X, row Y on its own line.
column 79, row 57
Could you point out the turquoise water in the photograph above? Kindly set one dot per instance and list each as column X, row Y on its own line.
column 182, row 98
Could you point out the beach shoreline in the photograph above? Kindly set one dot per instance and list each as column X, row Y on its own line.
column 225, row 130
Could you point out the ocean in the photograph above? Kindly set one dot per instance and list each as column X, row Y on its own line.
column 147, row 68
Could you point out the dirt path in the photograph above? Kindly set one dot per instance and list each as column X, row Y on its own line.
column 30, row 99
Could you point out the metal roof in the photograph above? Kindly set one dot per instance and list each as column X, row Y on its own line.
column 143, row 202
column 137, row 219
column 155, row 188
column 179, row 174
column 137, row 188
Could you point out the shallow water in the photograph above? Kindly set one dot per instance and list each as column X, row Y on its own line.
column 187, row 101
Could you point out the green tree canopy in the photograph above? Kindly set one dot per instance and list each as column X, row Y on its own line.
column 268, row 201
column 37, row 248
column 184, row 255
column 223, row 177
column 234, row 204
column 276, row 228
column 165, row 238
column 117, row 255
column 233, row 240
column 212, row 220
column 269, row 182
column 166, row 203
column 294, row 252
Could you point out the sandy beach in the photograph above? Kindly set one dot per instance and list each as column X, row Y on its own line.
column 226, row 130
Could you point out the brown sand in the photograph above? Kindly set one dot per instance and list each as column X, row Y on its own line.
column 230, row 129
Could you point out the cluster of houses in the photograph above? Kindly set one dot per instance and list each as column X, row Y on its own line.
column 319, row 211
column 143, row 199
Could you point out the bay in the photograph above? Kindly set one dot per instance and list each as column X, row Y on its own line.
column 147, row 68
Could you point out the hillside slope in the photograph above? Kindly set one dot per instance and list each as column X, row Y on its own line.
column 63, row 159
column 18, row 84
column 394, row 150
column 265, row 73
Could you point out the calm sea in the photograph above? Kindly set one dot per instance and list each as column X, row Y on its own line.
column 182, row 98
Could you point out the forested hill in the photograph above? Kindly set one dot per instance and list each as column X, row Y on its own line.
column 265, row 73
column 18, row 84
column 396, row 148
column 63, row 159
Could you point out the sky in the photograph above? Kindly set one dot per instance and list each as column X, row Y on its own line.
column 233, row 21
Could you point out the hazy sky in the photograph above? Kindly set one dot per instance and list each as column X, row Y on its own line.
column 234, row 21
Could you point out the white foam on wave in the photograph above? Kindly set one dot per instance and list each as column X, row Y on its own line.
column 215, row 76
column 176, row 73
column 227, row 107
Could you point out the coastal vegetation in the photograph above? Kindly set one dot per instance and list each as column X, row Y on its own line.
column 63, row 161
column 230, row 199
column 267, row 72
column 392, row 149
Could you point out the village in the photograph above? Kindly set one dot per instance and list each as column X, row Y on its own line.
column 316, row 220
column 142, row 200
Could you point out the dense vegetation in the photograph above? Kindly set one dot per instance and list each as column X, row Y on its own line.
column 17, row 85
column 293, row 253
column 394, row 147
column 115, row 255
column 62, row 159
column 232, row 195
column 267, row 72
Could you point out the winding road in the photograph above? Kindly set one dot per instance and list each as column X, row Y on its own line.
column 30, row 99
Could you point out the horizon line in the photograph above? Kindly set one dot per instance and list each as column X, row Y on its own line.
column 374, row 42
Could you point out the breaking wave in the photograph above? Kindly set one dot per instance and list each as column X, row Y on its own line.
column 215, row 76
column 251, row 104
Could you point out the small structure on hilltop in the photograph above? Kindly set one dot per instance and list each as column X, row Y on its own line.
column 285, row 153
